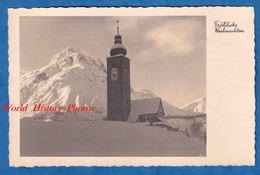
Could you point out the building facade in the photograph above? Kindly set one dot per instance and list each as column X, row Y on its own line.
column 146, row 110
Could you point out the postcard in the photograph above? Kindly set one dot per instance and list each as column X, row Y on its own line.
column 152, row 86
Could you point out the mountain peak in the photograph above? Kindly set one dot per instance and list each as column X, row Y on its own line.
column 66, row 57
column 70, row 57
column 69, row 49
column 198, row 105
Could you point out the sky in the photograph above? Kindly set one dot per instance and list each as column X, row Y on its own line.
column 167, row 53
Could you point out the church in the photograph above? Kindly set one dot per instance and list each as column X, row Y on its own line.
column 119, row 104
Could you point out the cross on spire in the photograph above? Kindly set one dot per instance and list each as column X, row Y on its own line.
column 117, row 21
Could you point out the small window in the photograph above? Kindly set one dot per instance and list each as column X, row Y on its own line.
column 125, row 68
column 114, row 74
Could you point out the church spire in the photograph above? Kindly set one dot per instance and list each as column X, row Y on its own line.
column 117, row 21
column 118, row 48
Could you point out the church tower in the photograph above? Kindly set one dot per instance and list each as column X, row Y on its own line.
column 118, row 81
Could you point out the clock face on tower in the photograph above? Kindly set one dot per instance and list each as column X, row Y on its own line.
column 114, row 74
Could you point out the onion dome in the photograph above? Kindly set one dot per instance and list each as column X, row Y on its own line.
column 118, row 48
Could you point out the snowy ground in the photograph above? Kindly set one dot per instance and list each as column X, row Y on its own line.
column 104, row 138
column 194, row 128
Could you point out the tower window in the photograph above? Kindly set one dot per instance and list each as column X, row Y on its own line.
column 125, row 68
column 114, row 74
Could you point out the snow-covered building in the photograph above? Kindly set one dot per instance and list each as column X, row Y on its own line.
column 145, row 110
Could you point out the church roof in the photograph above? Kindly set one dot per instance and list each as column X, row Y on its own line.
column 143, row 106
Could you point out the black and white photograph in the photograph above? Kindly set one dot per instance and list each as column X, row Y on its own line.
column 155, row 86
column 113, row 86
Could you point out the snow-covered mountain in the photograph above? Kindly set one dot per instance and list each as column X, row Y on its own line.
column 198, row 105
column 74, row 78
column 70, row 78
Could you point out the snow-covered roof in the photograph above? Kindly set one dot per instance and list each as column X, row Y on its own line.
column 143, row 106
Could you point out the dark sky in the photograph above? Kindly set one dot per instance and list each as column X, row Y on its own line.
column 167, row 53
